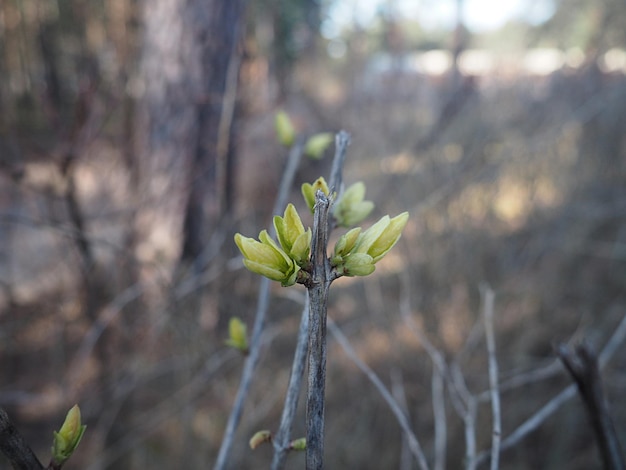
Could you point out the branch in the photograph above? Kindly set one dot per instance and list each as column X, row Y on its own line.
column 342, row 140
column 322, row 276
column 282, row 439
column 582, row 364
column 14, row 447
column 488, row 300
column 439, row 414
column 318, row 297
column 293, row 161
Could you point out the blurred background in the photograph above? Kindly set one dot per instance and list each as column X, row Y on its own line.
column 137, row 137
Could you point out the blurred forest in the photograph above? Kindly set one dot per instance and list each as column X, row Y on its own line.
column 137, row 137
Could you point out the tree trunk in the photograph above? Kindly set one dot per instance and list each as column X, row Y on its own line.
column 217, row 36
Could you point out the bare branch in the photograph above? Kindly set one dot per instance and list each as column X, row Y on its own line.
column 282, row 439
column 318, row 298
column 439, row 413
column 488, row 300
column 397, row 390
column 467, row 413
column 342, row 140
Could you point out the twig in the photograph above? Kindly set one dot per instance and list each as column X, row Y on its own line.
column 439, row 414
column 467, row 411
column 582, row 364
column 488, row 300
column 399, row 395
column 253, row 357
column 281, row 441
column 318, row 298
column 342, row 141
column 14, row 447
column 401, row 417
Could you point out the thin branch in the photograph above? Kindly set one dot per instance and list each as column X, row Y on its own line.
column 400, row 415
column 468, row 414
column 14, row 447
column 283, row 436
column 399, row 395
column 342, row 141
column 318, row 298
column 439, row 414
column 488, row 300
column 253, row 357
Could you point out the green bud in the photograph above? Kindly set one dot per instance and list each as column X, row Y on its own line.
column 298, row 444
column 266, row 258
column 345, row 244
column 285, row 132
column 68, row 437
column 295, row 241
column 260, row 437
column 377, row 240
column 309, row 191
column 351, row 208
column 357, row 264
column 317, row 144
column 237, row 336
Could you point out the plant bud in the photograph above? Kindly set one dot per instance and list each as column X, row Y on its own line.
column 260, row 437
column 285, row 132
column 316, row 145
column 67, row 438
column 237, row 335
column 351, row 208
column 309, row 191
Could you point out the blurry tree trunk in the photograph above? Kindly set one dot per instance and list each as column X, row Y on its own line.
column 188, row 62
column 219, row 66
